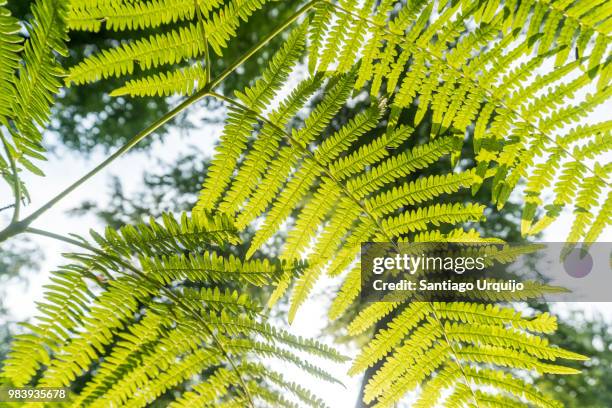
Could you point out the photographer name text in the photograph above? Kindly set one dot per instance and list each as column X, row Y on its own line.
column 424, row 285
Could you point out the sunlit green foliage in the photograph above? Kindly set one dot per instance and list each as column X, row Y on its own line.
column 127, row 307
column 500, row 74
column 29, row 79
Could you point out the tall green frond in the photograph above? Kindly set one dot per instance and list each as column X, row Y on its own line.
column 156, row 50
column 240, row 123
column 29, row 80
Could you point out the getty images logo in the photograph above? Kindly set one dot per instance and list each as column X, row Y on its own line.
column 578, row 263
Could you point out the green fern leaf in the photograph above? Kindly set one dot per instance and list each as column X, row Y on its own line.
column 148, row 331
column 179, row 82
column 241, row 122
column 29, row 80
column 159, row 49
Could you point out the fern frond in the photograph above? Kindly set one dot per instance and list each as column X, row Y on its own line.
column 369, row 154
column 67, row 302
column 30, row 78
column 387, row 339
column 418, row 220
column 311, row 169
column 287, row 157
column 222, row 25
column 348, row 292
column 274, row 76
column 601, row 221
column 135, row 15
column 234, row 138
column 444, row 380
column 427, row 348
column 212, row 267
column 432, row 344
column 421, row 340
column 180, row 82
column 171, row 47
column 336, row 36
column 220, row 19
column 470, row 76
column 10, row 47
column 496, row 401
column 415, row 192
column 263, row 147
column 272, row 351
column 148, row 328
column 215, row 386
column 483, row 334
column 322, row 16
column 131, row 343
column 504, row 357
column 424, row 364
column 300, row 168
column 420, row 157
column 169, row 236
column 368, row 316
column 512, row 385
column 493, row 314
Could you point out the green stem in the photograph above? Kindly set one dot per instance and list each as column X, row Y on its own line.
column 205, row 35
column 16, row 182
column 58, row 237
column 20, row 226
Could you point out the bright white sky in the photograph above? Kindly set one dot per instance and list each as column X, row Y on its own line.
column 65, row 167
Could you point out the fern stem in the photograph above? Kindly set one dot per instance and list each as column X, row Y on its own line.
column 215, row 82
column 461, row 72
column 206, row 46
column 20, row 226
column 452, row 348
column 58, row 237
column 16, row 182
column 171, row 295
